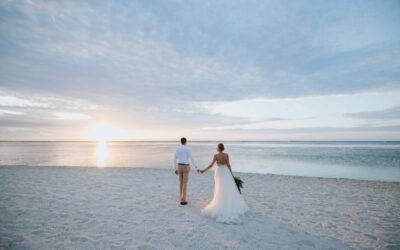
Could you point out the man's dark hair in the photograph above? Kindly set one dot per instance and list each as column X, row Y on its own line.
column 183, row 140
column 221, row 147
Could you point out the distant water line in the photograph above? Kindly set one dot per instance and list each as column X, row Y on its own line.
column 354, row 160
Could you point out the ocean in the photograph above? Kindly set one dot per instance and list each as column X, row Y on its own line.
column 354, row 160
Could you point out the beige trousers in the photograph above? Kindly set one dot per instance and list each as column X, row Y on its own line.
column 183, row 172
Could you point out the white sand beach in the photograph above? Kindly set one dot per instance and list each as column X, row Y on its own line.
column 117, row 208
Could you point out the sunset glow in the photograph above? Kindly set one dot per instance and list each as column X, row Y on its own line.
column 101, row 154
column 105, row 132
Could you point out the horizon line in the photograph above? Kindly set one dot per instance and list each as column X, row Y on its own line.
column 202, row 140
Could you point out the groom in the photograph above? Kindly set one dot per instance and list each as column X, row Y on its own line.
column 182, row 159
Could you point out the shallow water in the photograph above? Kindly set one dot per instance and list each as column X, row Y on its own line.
column 355, row 160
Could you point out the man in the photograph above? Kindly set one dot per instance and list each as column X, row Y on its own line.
column 182, row 159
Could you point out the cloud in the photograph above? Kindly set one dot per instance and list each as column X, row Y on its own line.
column 9, row 112
column 387, row 133
column 71, row 116
column 12, row 101
column 272, row 122
column 29, row 124
column 359, row 129
column 245, row 51
column 38, row 111
column 18, row 100
column 149, row 65
column 392, row 113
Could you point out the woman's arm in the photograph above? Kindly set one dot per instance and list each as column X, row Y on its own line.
column 228, row 164
column 210, row 166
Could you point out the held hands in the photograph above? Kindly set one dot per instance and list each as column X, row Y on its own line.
column 198, row 171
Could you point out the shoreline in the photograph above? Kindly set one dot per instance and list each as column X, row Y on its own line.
column 192, row 169
column 88, row 207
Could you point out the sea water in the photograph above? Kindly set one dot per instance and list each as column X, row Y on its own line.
column 354, row 160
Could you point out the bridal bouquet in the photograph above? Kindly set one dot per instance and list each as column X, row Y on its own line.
column 239, row 183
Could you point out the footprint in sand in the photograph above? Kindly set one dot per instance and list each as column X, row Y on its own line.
column 38, row 232
column 170, row 231
column 306, row 243
column 146, row 247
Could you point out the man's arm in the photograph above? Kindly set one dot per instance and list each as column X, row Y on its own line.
column 174, row 162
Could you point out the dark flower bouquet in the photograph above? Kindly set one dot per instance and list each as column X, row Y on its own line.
column 239, row 183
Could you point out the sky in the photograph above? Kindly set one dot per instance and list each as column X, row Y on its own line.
column 207, row 70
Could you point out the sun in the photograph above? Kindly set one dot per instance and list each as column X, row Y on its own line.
column 106, row 132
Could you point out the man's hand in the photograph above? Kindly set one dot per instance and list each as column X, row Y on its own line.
column 176, row 172
column 200, row 171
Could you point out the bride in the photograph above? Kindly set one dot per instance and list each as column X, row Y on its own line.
column 227, row 204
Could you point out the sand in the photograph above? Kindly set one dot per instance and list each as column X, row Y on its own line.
column 114, row 208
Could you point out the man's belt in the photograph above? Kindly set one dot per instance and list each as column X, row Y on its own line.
column 183, row 164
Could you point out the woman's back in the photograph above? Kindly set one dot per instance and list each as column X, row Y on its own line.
column 222, row 158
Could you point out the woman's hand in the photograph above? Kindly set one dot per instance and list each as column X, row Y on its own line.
column 200, row 171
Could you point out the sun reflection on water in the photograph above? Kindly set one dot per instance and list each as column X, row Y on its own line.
column 101, row 154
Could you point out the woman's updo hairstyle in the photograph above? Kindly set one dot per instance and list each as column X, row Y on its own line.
column 221, row 147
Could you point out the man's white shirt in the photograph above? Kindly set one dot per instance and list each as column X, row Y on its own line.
column 183, row 155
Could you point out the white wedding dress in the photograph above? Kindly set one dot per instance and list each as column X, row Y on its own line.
column 227, row 204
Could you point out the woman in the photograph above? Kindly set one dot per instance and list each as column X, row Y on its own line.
column 227, row 204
